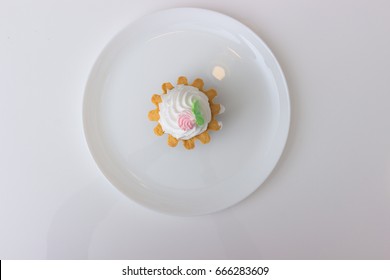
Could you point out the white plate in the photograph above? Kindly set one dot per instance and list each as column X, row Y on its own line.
column 159, row 48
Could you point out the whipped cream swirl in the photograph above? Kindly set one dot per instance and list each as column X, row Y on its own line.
column 176, row 116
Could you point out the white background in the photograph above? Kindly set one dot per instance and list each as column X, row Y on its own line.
column 328, row 198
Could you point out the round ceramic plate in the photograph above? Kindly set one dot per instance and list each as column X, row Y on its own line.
column 195, row 43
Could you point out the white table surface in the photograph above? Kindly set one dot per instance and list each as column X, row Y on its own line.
column 328, row 197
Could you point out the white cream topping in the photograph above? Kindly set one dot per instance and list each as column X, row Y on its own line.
column 179, row 101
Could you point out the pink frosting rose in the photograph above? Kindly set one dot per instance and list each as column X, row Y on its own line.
column 186, row 120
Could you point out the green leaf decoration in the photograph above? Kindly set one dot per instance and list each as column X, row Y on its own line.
column 198, row 115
